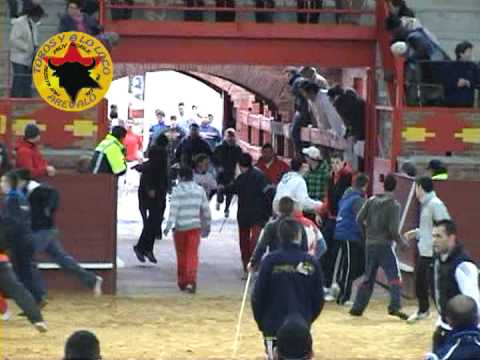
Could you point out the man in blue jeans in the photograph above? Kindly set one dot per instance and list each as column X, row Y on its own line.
column 44, row 201
column 380, row 216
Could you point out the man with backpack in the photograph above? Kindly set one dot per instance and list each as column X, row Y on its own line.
column 44, row 202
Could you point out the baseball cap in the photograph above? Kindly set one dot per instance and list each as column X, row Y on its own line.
column 31, row 131
column 312, row 152
column 294, row 341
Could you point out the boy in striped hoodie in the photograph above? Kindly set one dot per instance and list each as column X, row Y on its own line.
column 190, row 218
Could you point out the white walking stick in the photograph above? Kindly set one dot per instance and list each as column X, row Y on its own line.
column 239, row 323
column 407, row 207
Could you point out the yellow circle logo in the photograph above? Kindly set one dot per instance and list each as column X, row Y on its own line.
column 72, row 71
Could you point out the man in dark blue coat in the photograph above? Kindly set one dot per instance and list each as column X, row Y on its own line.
column 290, row 281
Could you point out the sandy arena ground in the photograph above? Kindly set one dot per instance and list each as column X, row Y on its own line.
column 149, row 319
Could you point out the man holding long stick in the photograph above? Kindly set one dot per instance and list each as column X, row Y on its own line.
column 290, row 282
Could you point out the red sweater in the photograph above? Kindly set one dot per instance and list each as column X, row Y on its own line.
column 133, row 143
column 275, row 171
column 29, row 157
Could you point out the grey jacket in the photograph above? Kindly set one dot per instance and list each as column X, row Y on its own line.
column 432, row 209
column 23, row 40
column 381, row 217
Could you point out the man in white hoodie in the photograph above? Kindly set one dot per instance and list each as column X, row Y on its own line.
column 23, row 45
column 293, row 185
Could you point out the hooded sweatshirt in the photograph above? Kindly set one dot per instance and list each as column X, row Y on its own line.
column 381, row 217
column 294, row 186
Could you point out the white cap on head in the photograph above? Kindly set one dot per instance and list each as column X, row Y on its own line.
column 312, row 152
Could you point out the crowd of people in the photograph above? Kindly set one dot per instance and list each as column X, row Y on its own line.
column 431, row 77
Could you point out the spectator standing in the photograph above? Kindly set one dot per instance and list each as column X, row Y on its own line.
column 340, row 181
column 190, row 217
column 294, row 186
column 29, row 157
column 175, row 135
column 264, row 17
column 160, row 127
column 225, row 16
column 44, row 202
column 109, row 156
column 82, row 345
column 23, row 46
column 133, row 145
column 5, row 164
column 254, row 207
column 306, row 18
column 203, row 176
column 191, row 146
column 225, row 158
column 463, row 341
column 350, row 236
column 432, row 210
column 318, row 175
column 289, row 282
column 152, row 195
column 462, row 78
column 294, row 340
column 437, row 170
column 75, row 20
column 210, row 133
column 271, row 165
column 455, row 274
column 183, row 121
column 380, row 216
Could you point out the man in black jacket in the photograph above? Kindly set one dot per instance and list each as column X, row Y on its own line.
column 44, row 202
column 290, row 281
column 192, row 145
column 152, row 196
column 225, row 159
column 254, row 207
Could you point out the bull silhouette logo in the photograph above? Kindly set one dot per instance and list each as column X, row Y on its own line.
column 73, row 71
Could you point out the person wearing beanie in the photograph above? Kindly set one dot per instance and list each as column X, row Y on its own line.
column 437, row 170
column 29, row 157
column 294, row 341
column 290, row 282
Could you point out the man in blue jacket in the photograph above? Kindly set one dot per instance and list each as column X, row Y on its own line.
column 350, row 236
column 290, row 281
column 463, row 342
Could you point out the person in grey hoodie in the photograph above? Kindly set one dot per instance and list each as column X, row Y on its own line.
column 380, row 216
column 432, row 210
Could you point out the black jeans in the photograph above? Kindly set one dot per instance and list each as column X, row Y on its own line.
column 424, row 283
column 22, row 81
column 352, row 266
column 379, row 256
column 22, row 262
column 311, row 18
column 13, row 289
column 194, row 15
column 264, row 17
column 330, row 257
column 225, row 16
column 153, row 223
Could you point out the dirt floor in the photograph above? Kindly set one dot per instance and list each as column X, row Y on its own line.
column 186, row 327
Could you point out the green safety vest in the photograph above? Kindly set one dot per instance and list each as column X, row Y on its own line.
column 443, row 176
column 113, row 150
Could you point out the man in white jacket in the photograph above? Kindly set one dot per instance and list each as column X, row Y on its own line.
column 293, row 185
column 23, row 45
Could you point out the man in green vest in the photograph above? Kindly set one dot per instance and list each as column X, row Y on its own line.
column 437, row 170
column 109, row 157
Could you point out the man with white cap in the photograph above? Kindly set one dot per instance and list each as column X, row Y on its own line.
column 318, row 175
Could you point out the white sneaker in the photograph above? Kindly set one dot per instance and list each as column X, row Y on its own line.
column 328, row 297
column 97, row 290
column 41, row 327
column 418, row 316
column 335, row 290
column 348, row 303
column 6, row 315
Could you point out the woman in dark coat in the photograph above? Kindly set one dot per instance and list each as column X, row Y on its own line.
column 152, row 194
